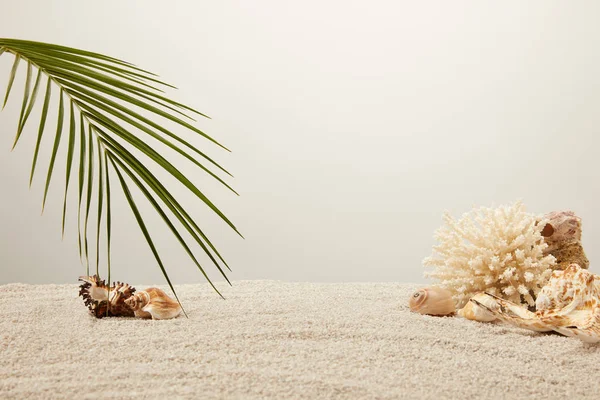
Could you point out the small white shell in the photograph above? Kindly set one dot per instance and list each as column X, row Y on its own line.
column 432, row 301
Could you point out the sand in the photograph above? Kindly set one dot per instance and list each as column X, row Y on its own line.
column 277, row 340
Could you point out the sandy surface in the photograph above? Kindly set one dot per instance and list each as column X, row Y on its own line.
column 279, row 340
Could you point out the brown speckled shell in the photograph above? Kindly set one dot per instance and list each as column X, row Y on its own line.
column 104, row 301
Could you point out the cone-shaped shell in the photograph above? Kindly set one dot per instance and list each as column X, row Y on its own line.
column 432, row 301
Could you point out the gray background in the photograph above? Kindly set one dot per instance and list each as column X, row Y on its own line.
column 353, row 126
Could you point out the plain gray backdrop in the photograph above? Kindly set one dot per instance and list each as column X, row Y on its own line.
column 353, row 126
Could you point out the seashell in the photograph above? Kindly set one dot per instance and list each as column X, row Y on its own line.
column 569, row 304
column 475, row 312
column 104, row 301
column 153, row 303
column 432, row 301
column 562, row 233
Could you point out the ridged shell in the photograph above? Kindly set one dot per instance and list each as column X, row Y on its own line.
column 153, row 303
column 569, row 304
column 432, row 301
column 104, row 301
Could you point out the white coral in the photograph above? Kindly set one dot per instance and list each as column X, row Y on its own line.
column 498, row 250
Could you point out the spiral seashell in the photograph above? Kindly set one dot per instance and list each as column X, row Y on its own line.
column 432, row 301
column 153, row 303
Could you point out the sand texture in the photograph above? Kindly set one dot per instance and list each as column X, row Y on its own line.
column 276, row 340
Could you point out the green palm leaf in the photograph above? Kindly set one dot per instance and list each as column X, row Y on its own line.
column 106, row 93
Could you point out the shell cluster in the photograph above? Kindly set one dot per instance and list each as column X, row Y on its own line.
column 495, row 260
column 569, row 304
column 438, row 301
column 122, row 300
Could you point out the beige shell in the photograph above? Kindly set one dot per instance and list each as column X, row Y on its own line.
column 569, row 304
column 432, row 301
column 153, row 303
column 475, row 312
column 562, row 233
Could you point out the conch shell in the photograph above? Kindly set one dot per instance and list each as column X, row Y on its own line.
column 153, row 303
column 105, row 301
column 432, row 301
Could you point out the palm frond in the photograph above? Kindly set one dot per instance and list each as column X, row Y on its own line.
column 11, row 80
column 88, row 197
column 61, row 116
column 105, row 92
column 41, row 128
column 26, row 111
column 69, row 162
